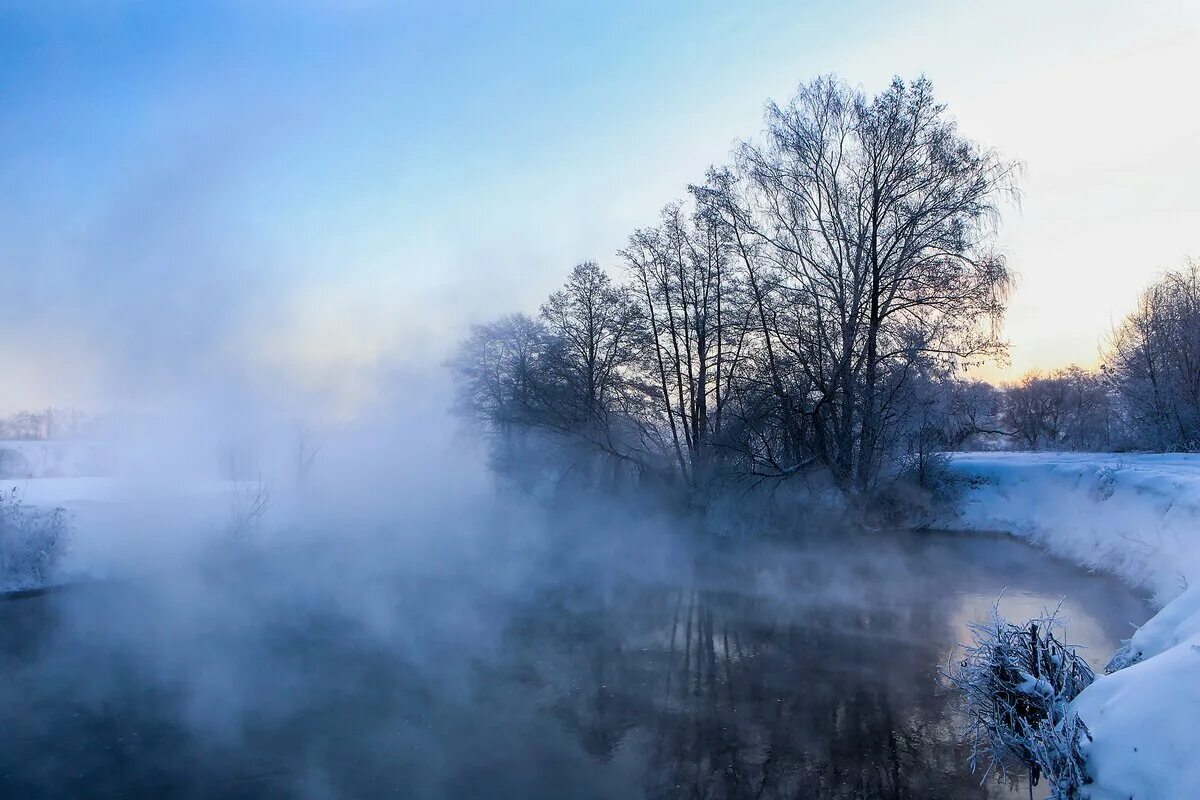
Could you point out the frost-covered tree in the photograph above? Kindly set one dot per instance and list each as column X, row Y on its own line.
column 1068, row 409
column 1016, row 684
column 32, row 542
column 1153, row 362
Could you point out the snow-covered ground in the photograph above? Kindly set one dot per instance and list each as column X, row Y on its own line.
column 113, row 523
column 1138, row 517
column 51, row 458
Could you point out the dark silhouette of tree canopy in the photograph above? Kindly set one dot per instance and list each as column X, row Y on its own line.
column 783, row 317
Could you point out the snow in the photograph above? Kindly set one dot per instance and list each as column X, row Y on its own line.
column 113, row 523
column 1144, row 717
column 50, row 458
column 1136, row 516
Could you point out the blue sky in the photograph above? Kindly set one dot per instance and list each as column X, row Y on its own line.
column 301, row 192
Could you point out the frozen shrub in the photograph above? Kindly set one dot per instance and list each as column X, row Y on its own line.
column 1126, row 656
column 919, row 492
column 1016, row 684
column 31, row 542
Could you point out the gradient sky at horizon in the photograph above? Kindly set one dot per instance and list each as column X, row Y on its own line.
column 306, row 194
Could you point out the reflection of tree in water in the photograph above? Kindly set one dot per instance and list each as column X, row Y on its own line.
column 837, row 704
column 751, row 697
column 804, row 672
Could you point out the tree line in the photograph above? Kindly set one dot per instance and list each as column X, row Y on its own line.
column 52, row 423
column 1145, row 395
column 789, row 314
column 811, row 306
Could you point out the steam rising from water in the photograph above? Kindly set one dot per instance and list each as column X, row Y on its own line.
column 469, row 645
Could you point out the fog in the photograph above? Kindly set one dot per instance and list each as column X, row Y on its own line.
column 269, row 594
column 392, row 565
column 490, row 652
column 402, row 621
column 329, row 534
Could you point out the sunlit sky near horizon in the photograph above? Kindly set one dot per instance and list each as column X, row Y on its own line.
column 305, row 194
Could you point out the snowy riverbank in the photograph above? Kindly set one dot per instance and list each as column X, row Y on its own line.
column 112, row 523
column 1138, row 517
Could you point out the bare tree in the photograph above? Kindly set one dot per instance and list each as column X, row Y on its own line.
column 971, row 411
column 1032, row 408
column 1068, row 409
column 1153, row 362
column 26, row 425
column 863, row 226
column 308, row 447
column 249, row 502
column 695, row 328
column 500, row 370
column 793, row 312
column 593, row 331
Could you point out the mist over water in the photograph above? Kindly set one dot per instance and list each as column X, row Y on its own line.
column 399, row 626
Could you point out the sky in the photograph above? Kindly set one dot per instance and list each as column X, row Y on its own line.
column 311, row 195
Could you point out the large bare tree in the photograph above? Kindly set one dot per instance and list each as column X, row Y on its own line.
column 791, row 313
column 864, row 226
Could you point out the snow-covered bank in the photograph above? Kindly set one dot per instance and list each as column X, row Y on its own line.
column 53, row 458
column 109, row 524
column 1138, row 517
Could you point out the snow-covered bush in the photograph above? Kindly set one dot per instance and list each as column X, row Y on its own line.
column 1016, row 684
column 920, row 491
column 32, row 541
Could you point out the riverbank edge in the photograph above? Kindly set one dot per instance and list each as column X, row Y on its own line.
column 1136, row 517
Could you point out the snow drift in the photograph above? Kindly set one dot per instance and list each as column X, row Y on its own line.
column 1138, row 517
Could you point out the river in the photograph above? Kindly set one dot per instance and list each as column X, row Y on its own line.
column 764, row 670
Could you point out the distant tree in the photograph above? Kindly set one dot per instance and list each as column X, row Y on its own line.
column 1030, row 408
column 593, row 333
column 972, row 410
column 1091, row 418
column 308, row 447
column 1153, row 362
column 1069, row 409
column 501, row 371
column 575, row 373
column 26, row 425
column 945, row 413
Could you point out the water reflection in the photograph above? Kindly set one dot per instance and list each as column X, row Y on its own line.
column 769, row 671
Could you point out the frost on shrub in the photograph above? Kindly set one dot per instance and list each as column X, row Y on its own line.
column 918, row 492
column 31, row 542
column 1126, row 656
column 1016, row 684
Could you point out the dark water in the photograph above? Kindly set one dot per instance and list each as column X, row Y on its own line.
column 765, row 671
